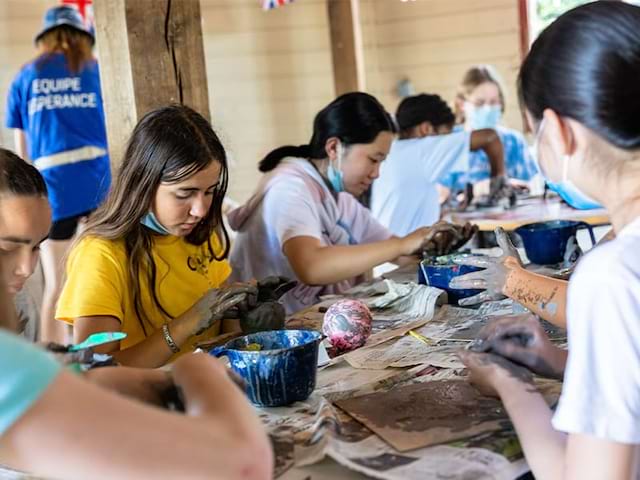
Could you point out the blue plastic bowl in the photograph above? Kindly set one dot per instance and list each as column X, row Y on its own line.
column 439, row 271
column 546, row 242
column 282, row 372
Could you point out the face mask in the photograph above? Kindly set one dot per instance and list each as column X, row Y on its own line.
column 335, row 175
column 567, row 190
column 486, row 116
column 150, row 220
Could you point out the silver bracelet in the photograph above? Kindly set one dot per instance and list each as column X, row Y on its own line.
column 169, row 339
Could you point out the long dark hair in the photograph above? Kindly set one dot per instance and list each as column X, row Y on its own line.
column 353, row 118
column 74, row 44
column 168, row 145
column 18, row 177
column 586, row 66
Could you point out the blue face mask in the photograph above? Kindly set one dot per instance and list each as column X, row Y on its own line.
column 335, row 175
column 486, row 116
column 573, row 196
column 150, row 220
column 567, row 190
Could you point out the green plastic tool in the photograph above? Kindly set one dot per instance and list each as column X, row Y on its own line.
column 98, row 339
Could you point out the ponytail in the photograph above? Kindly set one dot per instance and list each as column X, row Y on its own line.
column 353, row 118
column 74, row 44
column 274, row 157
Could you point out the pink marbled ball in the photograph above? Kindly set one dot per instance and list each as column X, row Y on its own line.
column 347, row 324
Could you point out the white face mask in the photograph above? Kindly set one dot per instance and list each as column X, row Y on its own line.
column 569, row 192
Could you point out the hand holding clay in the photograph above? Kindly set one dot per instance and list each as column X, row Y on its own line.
column 414, row 243
column 466, row 231
column 67, row 357
column 213, row 306
column 494, row 276
column 273, row 287
column 522, row 340
column 263, row 312
column 488, row 372
column 439, row 239
column 500, row 189
column 265, row 316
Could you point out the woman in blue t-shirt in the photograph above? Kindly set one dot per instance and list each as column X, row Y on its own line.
column 55, row 107
column 480, row 104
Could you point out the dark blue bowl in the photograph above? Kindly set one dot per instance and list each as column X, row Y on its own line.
column 439, row 271
column 282, row 372
column 546, row 242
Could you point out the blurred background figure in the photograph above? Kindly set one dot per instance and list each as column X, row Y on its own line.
column 480, row 104
column 55, row 106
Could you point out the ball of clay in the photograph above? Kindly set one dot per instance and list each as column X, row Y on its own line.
column 347, row 324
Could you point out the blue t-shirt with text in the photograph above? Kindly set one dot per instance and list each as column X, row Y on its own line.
column 62, row 116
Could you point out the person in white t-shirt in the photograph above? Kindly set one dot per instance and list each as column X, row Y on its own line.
column 304, row 222
column 580, row 87
column 405, row 197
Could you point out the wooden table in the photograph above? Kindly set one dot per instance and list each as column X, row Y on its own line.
column 529, row 211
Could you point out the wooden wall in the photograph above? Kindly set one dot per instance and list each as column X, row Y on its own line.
column 433, row 42
column 270, row 72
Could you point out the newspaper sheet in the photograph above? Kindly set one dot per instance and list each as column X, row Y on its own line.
column 307, row 432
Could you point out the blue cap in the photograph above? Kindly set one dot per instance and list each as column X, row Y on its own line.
column 64, row 15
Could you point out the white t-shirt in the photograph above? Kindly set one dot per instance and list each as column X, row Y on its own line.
column 601, row 390
column 405, row 196
column 292, row 201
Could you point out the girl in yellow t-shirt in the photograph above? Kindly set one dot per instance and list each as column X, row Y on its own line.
column 152, row 261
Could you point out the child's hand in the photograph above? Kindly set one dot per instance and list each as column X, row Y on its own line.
column 491, row 373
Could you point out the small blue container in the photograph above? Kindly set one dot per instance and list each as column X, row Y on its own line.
column 439, row 271
column 546, row 242
column 282, row 372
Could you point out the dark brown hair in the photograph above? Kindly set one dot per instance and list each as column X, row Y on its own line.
column 168, row 145
column 18, row 177
column 74, row 44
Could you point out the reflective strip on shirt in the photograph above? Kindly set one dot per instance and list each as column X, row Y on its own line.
column 69, row 156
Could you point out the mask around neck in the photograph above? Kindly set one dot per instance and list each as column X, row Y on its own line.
column 334, row 172
column 150, row 221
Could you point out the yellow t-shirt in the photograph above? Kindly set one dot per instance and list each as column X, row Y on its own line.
column 97, row 283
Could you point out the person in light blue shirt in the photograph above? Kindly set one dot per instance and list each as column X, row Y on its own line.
column 26, row 373
column 405, row 196
column 480, row 104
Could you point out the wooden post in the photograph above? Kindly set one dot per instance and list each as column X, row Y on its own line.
column 346, row 45
column 523, row 23
column 151, row 54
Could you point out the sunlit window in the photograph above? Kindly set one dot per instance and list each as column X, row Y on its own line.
column 543, row 12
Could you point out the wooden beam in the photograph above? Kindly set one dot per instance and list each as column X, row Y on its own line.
column 346, row 45
column 151, row 54
column 523, row 21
